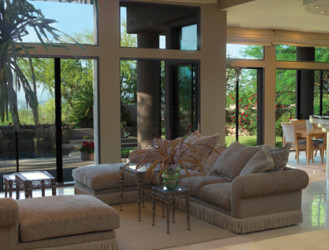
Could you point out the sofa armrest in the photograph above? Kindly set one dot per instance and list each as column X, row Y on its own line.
column 8, row 212
column 254, row 185
column 9, row 220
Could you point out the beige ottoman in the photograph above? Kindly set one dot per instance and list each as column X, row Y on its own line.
column 103, row 182
column 58, row 222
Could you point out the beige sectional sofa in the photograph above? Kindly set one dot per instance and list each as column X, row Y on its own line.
column 57, row 222
column 244, row 189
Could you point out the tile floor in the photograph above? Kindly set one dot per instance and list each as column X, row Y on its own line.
column 312, row 234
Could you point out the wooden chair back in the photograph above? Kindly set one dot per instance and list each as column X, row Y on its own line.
column 299, row 124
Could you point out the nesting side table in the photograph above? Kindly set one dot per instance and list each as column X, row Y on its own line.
column 9, row 182
column 138, row 174
column 35, row 179
column 167, row 197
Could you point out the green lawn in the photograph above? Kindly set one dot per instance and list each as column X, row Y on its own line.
column 245, row 140
column 250, row 140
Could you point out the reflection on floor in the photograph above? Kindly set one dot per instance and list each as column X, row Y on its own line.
column 311, row 234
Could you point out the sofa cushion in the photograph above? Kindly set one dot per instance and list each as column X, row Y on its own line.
column 280, row 156
column 218, row 194
column 211, row 159
column 259, row 163
column 57, row 216
column 101, row 177
column 230, row 163
column 203, row 145
column 195, row 183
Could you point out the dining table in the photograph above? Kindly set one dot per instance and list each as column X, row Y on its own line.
column 309, row 134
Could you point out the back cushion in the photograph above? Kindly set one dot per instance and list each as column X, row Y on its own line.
column 203, row 145
column 195, row 134
column 210, row 161
column 259, row 163
column 280, row 156
column 230, row 163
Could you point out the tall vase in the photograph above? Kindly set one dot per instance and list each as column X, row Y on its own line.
column 170, row 177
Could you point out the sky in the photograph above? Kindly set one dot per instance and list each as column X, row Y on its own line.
column 72, row 18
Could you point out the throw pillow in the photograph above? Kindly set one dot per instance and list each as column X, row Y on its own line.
column 280, row 156
column 210, row 161
column 230, row 163
column 203, row 145
column 259, row 163
column 195, row 134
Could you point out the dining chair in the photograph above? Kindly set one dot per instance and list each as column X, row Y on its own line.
column 289, row 133
column 321, row 145
column 299, row 124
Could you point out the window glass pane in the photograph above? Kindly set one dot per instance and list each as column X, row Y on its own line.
column 242, row 51
column 325, row 92
column 189, row 37
column 285, row 100
column 247, row 116
column 161, row 26
column 32, row 145
column 76, row 20
column 286, row 52
column 322, row 55
column 77, row 89
column 127, row 40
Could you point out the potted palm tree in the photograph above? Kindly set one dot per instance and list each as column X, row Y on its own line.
column 166, row 158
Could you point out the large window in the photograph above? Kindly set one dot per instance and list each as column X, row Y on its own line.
column 158, row 99
column 65, row 119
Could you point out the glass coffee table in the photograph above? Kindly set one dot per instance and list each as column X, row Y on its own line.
column 32, row 180
column 167, row 197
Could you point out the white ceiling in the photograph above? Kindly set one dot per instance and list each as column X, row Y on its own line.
column 276, row 14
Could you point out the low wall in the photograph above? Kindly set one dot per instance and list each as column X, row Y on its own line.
column 36, row 141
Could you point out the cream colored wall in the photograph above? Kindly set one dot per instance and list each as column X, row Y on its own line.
column 213, row 71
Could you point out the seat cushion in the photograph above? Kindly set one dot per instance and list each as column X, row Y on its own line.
column 101, row 176
column 195, row 183
column 57, row 216
column 218, row 194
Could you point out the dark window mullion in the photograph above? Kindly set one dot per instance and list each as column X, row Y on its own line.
column 58, row 122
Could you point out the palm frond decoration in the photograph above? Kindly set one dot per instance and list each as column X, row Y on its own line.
column 17, row 17
column 165, row 154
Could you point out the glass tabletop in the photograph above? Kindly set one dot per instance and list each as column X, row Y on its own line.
column 165, row 190
column 34, row 176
